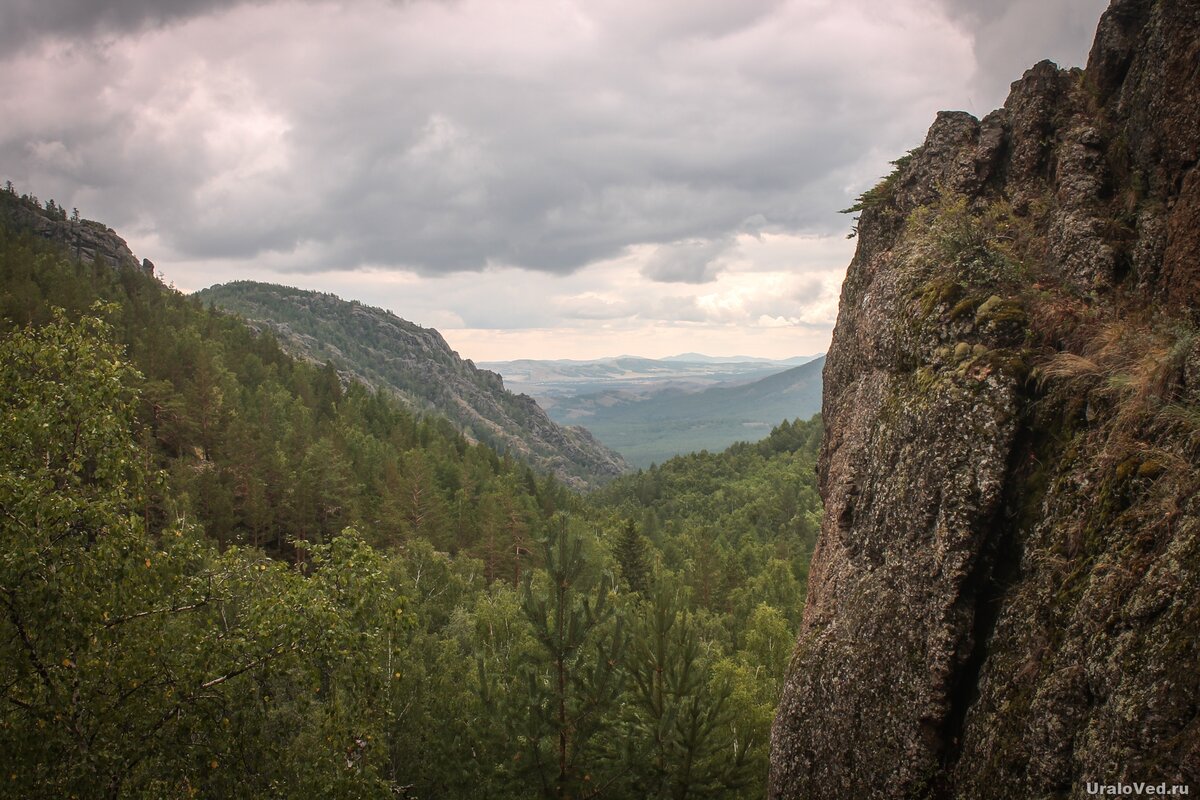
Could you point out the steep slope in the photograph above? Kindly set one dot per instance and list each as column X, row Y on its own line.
column 380, row 349
column 86, row 240
column 1005, row 596
column 652, row 429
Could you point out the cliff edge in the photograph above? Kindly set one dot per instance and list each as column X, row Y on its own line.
column 85, row 239
column 1005, row 596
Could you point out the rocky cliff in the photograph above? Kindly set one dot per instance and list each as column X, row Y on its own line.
column 1005, row 597
column 378, row 348
column 85, row 239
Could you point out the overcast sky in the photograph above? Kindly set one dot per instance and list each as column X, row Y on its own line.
column 534, row 178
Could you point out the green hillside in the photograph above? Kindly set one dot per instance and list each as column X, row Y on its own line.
column 378, row 348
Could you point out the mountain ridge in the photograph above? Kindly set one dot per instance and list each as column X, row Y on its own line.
column 546, row 379
column 702, row 358
column 382, row 350
column 652, row 409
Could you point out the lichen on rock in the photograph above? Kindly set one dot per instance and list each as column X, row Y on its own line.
column 1003, row 600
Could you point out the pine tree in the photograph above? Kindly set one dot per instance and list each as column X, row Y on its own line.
column 631, row 555
column 571, row 690
column 684, row 743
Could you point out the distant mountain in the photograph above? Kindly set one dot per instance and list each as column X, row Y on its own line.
column 798, row 360
column 700, row 358
column 378, row 348
column 672, row 420
column 551, row 380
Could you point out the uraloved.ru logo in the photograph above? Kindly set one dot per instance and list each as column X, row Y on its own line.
column 1137, row 789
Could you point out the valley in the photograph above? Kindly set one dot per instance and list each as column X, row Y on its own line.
column 262, row 542
column 651, row 410
column 283, row 524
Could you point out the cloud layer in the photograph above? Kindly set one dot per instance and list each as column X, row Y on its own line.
column 518, row 138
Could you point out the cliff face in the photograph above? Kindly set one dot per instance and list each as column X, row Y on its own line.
column 85, row 239
column 379, row 349
column 1005, row 597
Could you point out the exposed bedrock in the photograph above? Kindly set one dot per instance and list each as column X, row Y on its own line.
column 1004, row 598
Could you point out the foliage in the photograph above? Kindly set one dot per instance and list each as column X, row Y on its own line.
column 883, row 193
column 631, row 556
column 729, row 538
column 569, row 686
column 268, row 452
column 680, row 714
column 738, row 526
column 225, row 573
column 134, row 663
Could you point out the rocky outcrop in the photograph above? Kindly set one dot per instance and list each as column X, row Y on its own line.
column 1005, row 597
column 87, row 240
column 378, row 348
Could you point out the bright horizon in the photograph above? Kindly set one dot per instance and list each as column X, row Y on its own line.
column 542, row 345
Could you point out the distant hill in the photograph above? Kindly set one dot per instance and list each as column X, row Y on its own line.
column 671, row 421
column 700, row 358
column 382, row 350
column 552, row 380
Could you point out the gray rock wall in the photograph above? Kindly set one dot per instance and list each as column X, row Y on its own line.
column 1005, row 597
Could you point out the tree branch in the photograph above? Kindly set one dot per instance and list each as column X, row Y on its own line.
column 111, row 623
column 38, row 666
column 274, row 651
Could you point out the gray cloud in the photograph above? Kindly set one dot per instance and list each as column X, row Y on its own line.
column 457, row 137
column 808, row 290
column 693, row 261
column 1012, row 36
column 593, row 308
column 676, row 309
column 23, row 23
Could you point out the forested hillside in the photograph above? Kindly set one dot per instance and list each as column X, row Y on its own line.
column 226, row 573
column 378, row 348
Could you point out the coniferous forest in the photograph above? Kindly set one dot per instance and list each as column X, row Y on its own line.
column 227, row 573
